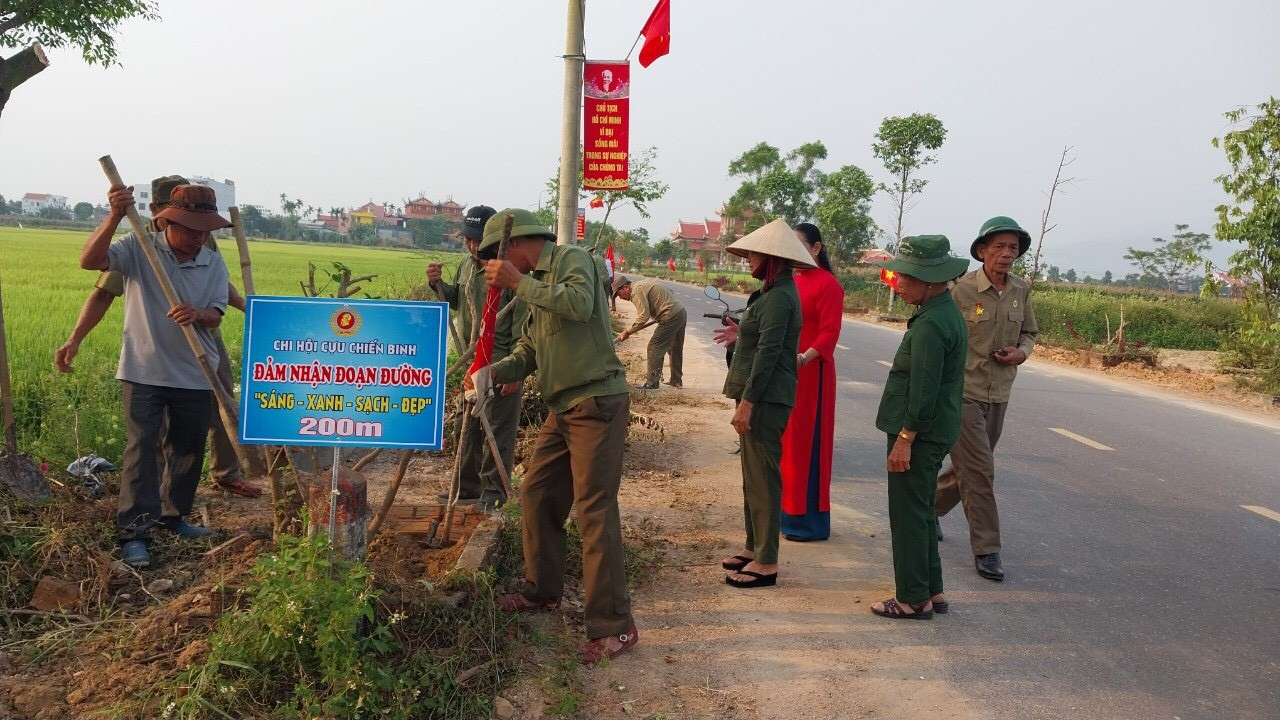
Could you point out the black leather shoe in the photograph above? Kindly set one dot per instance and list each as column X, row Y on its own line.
column 646, row 386
column 937, row 525
column 989, row 566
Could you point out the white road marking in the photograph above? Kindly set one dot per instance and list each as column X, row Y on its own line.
column 1081, row 439
column 1263, row 512
column 885, row 363
column 841, row 346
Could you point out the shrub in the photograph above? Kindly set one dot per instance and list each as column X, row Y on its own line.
column 1156, row 319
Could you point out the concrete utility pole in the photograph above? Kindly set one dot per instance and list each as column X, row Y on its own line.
column 570, row 157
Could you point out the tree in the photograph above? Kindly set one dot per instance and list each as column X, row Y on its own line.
column 1045, row 227
column 1107, row 278
column 774, row 186
column 55, row 212
column 86, row 24
column 1070, row 276
column 428, row 232
column 902, row 144
column 363, row 234
column 642, row 189
column 83, row 211
column 1053, row 273
column 1252, row 215
column 1171, row 261
column 843, row 211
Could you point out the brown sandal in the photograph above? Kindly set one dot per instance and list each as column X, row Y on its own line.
column 593, row 651
column 518, row 603
column 237, row 485
column 893, row 610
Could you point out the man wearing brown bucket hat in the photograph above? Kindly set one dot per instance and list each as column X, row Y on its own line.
column 224, row 467
column 161, row 379
column 577, row 459
column 920, row 413
column 1002, row 332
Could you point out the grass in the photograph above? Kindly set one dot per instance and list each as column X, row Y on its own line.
column 61, row 417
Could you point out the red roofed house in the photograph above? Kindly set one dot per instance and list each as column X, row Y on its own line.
column 874, row 255
column 33, row 203
column 424, row 208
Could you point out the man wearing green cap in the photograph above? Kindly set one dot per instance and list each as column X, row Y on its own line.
column 577, row 460
column 1002, row 333
column 224, row 466
column 479, row 479
column 920, row 413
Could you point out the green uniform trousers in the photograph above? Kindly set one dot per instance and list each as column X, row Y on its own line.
column 577, row 460
column 668, row 338
column 478, row 473
column 971, row 479
column 762, row 479
column 917, row 569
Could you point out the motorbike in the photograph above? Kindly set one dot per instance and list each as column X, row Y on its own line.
column 726, row 316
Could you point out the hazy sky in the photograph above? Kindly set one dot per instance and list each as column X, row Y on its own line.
column 342, row 103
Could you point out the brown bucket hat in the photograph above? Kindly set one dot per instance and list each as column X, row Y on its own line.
column 195, row 207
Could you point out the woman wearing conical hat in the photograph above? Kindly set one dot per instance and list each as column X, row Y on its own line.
column 762, row 379
column 920, row 414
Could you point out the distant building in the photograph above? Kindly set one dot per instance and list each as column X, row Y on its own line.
column 224, row 189
column 874, row 255
column 424, row 208
column 33, row 203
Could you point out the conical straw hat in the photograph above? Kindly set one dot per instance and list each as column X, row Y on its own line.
column 776, row 239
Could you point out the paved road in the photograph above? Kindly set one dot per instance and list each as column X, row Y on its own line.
column 1139, row 585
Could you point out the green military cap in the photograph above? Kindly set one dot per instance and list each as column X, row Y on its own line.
column 162, row 187
column 524, row 224
column 927, row 258
column 999, row 224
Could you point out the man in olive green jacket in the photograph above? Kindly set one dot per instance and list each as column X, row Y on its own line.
column 479, row 479
column 655, row 304
column 1002, row 332
column 577, row 459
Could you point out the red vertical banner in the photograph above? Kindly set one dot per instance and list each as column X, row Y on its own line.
column 581, row 229
column 606, row 103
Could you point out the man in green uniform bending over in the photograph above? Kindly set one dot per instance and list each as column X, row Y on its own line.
column 655, row 304
column 577, row 459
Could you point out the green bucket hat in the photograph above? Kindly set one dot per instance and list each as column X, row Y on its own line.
column 999, row 224
column 525, row 224
column 927, row 258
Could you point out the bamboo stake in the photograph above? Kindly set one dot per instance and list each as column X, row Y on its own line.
column 246, row 265
column 226, row 404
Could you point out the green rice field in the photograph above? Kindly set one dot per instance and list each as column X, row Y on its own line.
column 60, row 416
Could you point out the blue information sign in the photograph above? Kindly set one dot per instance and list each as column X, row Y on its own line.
column 324, row 371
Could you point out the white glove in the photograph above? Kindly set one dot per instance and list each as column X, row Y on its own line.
column 483, row 381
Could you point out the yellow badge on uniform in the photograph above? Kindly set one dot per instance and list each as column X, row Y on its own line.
column 1015, row 303
column 977, row 308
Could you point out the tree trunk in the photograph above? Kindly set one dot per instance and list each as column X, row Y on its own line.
column 20, row 68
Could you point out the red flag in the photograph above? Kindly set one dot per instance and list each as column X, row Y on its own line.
column 608, row 255
column 648, row 261
column 597, row 202
column 890, row 278
column 488, row 322
column 700, row 264
column 622, row 261
column 657, row 34
column 671, row 264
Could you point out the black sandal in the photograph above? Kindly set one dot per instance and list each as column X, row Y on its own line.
column 736, row 566
column 893, row 610
column 757, row 580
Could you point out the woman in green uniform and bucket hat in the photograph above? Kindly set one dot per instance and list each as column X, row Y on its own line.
column 762, row 379
column 920, row 414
